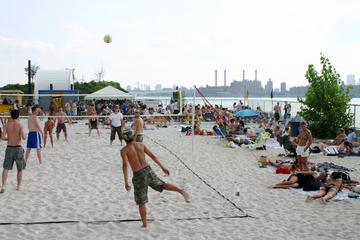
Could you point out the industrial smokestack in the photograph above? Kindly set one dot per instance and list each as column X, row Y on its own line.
column 255, row 75
column 243, row 75
column 215, row 78
column 225, row 78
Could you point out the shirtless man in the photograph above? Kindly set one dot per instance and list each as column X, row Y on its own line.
column 302, row 149
column 138, row 127
column 14, row 134
column 61, row 115
column 277, row 110
column 143, row 176
column 35, row 134
column 48, row 130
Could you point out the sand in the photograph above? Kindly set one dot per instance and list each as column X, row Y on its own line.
column 81, row 183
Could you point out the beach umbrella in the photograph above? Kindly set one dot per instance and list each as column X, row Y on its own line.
column 247, row 113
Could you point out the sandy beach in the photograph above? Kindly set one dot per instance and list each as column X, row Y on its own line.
column 78, row 193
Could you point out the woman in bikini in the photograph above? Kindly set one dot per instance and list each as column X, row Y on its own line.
column 329, row 189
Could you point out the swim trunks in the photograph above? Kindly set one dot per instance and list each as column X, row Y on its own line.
column 60, row 127
column 139, row 138
column 141, row 180
column 34, row 140
column 14, row 154
column 300, row 151
column 93, row 124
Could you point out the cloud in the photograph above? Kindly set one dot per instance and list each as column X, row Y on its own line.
column 7, row 42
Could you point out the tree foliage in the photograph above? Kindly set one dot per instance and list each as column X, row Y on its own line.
column 21, row 87
column 34, row 69
column 93, row 86
column 84, row 87
column 325, row 106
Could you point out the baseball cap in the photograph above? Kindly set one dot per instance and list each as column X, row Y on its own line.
column 127, row 134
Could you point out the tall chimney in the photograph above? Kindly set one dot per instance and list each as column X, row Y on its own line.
column 243, row 75
column 255, row 75
column 225, row 78
column 215, row 78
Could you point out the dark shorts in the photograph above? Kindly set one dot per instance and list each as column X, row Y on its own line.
column 115, row 130
column 141, row 180
column 60, row 127
column 14, row 154
column 277, row 116
column 93, row 124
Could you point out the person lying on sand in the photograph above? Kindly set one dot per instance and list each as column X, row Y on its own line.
column 143, row 176
column 329, row 189
column 309, row 181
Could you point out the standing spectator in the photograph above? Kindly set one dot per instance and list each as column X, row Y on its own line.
column 116, row 121
column 277, row 110
column 287, row 110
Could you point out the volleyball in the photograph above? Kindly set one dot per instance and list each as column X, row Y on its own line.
column 107, row 38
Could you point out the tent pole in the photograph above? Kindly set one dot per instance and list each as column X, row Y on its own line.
column 193, row 121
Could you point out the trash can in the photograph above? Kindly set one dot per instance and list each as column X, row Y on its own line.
column 294, row 126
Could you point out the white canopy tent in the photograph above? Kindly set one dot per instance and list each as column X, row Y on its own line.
column 109, row 93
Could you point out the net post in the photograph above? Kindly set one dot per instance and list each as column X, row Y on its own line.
column 193, row 121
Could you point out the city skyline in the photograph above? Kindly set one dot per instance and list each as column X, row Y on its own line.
column 181, row 43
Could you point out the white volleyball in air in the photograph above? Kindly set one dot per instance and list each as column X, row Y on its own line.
column 107, row 38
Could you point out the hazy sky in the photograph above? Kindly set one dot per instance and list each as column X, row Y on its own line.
column 179, row 42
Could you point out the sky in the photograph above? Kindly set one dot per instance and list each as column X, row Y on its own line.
column 171, row 42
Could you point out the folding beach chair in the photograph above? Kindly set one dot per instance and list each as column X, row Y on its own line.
column 259, row 143
column 285, row 142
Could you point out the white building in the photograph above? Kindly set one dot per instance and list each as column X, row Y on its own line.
column 54, row 82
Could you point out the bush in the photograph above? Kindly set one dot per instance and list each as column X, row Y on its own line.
column 325, row 107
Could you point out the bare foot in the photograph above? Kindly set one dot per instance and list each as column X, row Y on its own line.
column 144, row 226
column 308, row 199
column 323, row 201
column 18, row 188
column 2, row 190
column 186, row 196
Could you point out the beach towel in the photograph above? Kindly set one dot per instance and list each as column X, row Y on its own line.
column 342, row 195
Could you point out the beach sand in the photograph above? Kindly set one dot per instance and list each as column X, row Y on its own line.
column 81, row 184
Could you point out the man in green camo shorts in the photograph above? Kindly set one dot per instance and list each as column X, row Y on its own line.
column 134, row 154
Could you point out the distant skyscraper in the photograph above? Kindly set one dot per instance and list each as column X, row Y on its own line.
column 128, row 88
column 283, row 87
column 350, row 79
column 158, row 87
column 269, row 86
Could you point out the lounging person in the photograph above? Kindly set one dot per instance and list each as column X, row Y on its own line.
column 302, row 149
column 14, row 135
column 328, row 190
column 143, row 176
column 308, row 181
column 61, row 115
column 48, row 130
column 35, row 134
column 338, row 140
column 138, row 127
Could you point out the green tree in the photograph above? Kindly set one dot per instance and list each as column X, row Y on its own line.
column 34, row 69
column 93, row 86
column 325, row 106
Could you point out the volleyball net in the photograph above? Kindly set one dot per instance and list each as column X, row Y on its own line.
column 169, row 104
